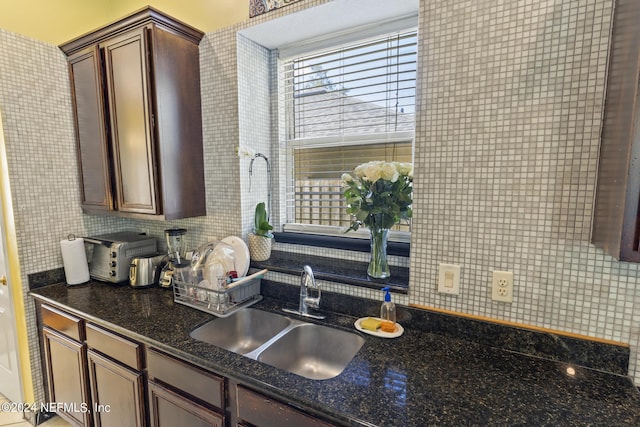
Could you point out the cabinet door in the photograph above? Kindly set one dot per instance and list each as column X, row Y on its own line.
column 85, row 73
column 616, row 220
column 169, row 409
column 176, row 83
column 131, row 116
column 66, row 369
column 117, row 393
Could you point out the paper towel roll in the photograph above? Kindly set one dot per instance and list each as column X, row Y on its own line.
column 74, row 259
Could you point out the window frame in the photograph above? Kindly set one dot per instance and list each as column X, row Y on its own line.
column 319, row 235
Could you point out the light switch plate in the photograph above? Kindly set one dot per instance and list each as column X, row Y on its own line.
column 449, row 279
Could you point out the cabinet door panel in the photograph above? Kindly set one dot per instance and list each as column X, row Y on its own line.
column 117, row 391
column 616, row 219
column 169, row 409
column 93, row 150
column 66, row 368
column 178, row 123
column 130, row 113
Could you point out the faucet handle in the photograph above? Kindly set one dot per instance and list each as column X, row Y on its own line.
column 312, row 302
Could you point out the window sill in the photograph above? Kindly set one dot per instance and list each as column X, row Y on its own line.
column 335, row 242
column 332, row 270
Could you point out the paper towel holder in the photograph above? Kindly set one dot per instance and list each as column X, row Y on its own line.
column 74, row 260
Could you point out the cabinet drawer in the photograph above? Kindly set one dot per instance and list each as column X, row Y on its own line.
column 65, row 323
column 263, row 411
column 115, row 346
column 190, row 379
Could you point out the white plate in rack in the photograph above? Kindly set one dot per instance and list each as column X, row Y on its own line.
column 240, row 254
column 399, row 329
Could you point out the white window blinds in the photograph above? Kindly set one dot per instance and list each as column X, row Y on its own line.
column 366, row 88
column 345, row 107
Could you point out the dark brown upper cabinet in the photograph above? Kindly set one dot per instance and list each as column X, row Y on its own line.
column 616, row 224
column 136, row 95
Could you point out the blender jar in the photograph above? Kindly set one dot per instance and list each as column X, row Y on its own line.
column 176, row 244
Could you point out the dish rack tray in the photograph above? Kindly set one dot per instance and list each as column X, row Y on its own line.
column 221, row 303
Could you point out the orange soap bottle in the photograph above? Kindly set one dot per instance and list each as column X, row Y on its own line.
column 388, row 313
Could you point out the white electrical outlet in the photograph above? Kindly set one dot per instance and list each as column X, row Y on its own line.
column 502, row 286
column 449, row 279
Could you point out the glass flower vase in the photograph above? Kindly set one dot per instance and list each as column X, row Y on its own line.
column 378, row 265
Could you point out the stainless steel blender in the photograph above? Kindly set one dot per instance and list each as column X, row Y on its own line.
column 176, row 244
column 177, row 250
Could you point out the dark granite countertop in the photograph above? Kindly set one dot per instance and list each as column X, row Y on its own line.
column 421, row 378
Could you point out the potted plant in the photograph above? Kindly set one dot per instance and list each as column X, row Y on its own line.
column 261, row 240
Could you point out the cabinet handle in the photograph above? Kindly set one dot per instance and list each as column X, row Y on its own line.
column 3, row 280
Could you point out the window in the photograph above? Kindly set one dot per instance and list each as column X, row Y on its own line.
column 344, row 107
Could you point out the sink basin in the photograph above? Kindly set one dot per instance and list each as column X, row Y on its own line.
column 243, row 331
column 306, row 349
column 312, row 351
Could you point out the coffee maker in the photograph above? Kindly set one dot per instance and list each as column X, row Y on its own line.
column 176, row 255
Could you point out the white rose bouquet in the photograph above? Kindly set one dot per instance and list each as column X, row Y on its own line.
column 380, row 195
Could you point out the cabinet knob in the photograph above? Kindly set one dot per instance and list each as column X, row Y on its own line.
column 3, row 280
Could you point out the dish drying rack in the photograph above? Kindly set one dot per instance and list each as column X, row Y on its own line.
column 219, row 302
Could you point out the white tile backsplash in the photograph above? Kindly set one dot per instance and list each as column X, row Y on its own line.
column 39, row 136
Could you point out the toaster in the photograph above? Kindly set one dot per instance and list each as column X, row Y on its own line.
column 145, row 270
column 113, row 252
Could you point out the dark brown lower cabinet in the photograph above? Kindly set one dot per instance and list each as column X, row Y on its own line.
column 100, row 377
column 169, row 409
column 66, row 363
column 262, row 411
column 117, row 393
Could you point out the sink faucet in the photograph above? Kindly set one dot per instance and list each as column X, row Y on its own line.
column 307, row 281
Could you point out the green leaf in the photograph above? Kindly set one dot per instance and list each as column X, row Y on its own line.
column 362, row 215
column 354, row 226
column 261, row 221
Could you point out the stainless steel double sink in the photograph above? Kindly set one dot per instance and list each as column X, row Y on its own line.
column 306, row 349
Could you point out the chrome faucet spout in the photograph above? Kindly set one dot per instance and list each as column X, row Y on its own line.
column 307, row 281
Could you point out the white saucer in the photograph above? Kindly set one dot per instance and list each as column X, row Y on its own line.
column 240, row 254
column 399, row 329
